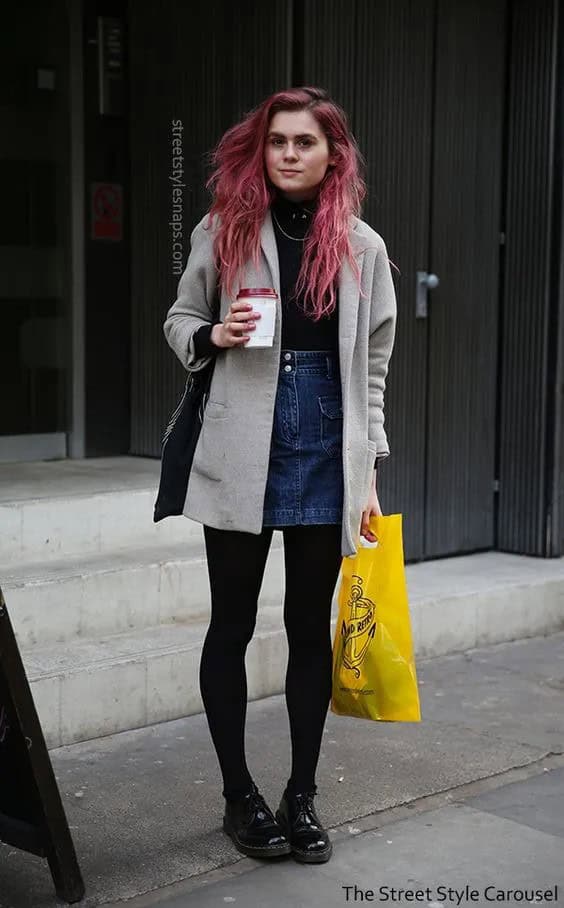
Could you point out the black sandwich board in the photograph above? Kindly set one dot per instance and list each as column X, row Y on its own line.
column 32, row 816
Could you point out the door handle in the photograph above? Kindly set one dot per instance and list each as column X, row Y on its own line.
column 425, row 282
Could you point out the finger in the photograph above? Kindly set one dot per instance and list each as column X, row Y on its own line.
column 241, row 316
column 371, row 534
column 365, row 527
column 242, row 325
column 237, row 327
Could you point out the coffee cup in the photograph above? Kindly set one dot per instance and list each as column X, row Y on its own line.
column 263, row 301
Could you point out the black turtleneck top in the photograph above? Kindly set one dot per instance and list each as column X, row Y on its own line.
column 291, row 221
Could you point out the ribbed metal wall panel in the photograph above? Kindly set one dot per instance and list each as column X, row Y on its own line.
column 376, row 60
column 555, row 371
column 525, row 328
column 329, row 48
column 464, row 253
column 206, row 64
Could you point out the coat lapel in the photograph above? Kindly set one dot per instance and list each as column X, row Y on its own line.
column 349, row 300
column 268, row 244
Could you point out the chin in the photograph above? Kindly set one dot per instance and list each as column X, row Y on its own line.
column 288, row 181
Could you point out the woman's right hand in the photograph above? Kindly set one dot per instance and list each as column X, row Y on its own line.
column 232, row 332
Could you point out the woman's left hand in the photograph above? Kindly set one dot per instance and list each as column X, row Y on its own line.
column 373, row 507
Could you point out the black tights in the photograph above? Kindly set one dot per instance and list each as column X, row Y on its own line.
column 236, row 562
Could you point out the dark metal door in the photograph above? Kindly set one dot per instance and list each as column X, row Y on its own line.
column 424, row 90
column 386, row 88
column 464, row 252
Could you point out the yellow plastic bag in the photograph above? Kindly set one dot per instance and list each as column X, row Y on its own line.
column 374, row 673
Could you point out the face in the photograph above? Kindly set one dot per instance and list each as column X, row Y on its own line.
column 296, row 154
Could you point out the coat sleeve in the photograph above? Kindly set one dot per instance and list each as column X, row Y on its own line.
column 193, row 306
column 383, row 315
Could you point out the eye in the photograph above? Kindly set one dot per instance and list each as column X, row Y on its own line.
column 304, row 142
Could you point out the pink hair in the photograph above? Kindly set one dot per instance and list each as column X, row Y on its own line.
column 243, row 194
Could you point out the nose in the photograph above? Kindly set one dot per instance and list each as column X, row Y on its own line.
column 290, row 154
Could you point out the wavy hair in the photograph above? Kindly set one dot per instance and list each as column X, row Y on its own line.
column 243, row 193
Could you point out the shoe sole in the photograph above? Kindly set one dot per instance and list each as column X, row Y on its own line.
column 305, row 857
column 320, row 858
column 256, row 851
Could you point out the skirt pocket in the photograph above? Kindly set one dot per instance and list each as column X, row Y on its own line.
column 331, row 430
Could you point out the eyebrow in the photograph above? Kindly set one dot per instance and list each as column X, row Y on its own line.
column 302, row 135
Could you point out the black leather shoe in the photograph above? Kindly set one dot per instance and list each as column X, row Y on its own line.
column 309, row 841
column 250, row 822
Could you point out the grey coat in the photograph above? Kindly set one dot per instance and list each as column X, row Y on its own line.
column 228, row 478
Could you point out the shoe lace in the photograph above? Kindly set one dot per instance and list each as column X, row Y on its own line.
column 257, row 804
column 305, row 805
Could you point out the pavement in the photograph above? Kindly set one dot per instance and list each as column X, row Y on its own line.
column 465, row 807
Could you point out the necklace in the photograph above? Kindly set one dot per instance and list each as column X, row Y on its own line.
column 298, row 239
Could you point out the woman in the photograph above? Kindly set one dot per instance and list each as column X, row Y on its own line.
column 291, row 433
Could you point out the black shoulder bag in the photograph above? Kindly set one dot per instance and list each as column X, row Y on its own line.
column 179, row 443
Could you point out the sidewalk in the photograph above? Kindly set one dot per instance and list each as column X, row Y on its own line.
column 473, row 795
column 476, row 848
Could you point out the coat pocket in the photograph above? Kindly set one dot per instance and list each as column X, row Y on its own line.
column 331, row 425
column 215, row 410
column 211, row 450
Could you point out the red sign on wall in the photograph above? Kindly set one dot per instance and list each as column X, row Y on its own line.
column 107, row 211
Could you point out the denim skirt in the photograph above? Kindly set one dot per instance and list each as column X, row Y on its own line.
column 305, row 474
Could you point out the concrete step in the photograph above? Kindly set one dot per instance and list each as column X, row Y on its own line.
column 489, row 597
column 51, row 510
column 96, row 688
column 53, row 528
column 98, row 595
column 88, row 688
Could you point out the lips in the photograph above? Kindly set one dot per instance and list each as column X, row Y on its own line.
column 290, row 171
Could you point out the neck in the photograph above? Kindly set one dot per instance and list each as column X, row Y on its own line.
column 299, row 196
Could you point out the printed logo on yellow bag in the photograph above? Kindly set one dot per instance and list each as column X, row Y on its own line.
column 358, row 631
